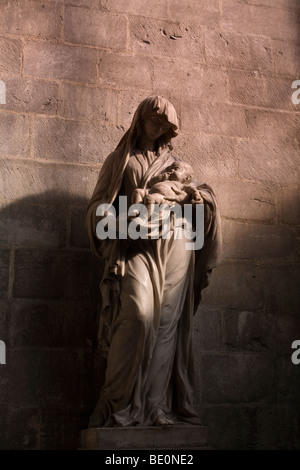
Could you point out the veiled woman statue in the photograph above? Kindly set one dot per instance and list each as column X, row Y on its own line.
column 150, row 288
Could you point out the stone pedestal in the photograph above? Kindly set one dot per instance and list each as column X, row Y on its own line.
column 147, row 438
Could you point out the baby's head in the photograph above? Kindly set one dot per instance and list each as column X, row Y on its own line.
column 180, row 171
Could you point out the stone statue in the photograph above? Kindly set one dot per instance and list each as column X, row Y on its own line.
column 150, row 287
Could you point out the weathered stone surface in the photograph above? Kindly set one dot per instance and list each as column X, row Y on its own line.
column 289, row 379
column 257, row 19
column 238, row 378
column 200, row 82
column 93, row 104
column 31, row 96
column 21, row 428
column 23, row 224
column 288, row 329
column 246, row 200
column 252, row 427
column 254, row 89
column 181, row 437
column 66, row 423
column 282, row 288
column 47, row 183
column 27, row 369
column 69, row 378
column 41, row 324
column 292, row 5
column 211, row 156
column 121, row 70
column 60, row 62
column 199, row 11
column 273, row 127
column 238, row 50
column 286, row 57
column 258, row 241
column 268, row 162
column 154, row 9
column 55, row 275
column 129, row 102
column 95, row 28
column 83, row 3
column 4, row 272
column 82, row 142
column 78, row 233
column 289, row 206
column 250, row 331
column 235, row 285
column 14, row 135
column 208, row 329
column 214, row 118
column 31, row 18
column 11, row 48
column 170, row 39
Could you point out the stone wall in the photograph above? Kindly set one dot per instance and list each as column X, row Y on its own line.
column 74, row 71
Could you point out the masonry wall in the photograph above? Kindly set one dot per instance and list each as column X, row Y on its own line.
column 74, row 72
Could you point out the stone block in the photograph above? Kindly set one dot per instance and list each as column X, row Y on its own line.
column 14, row 135
column 165, row 38
column 27, row 369
column 288, row 379
column 288, row 418
column 235, row 285
column 55, row 275
column 93, row 104
column 31, row 96
column 289, row 206
column 246, row 427
column 241, row 51
column 4, row 320
column 31, row 18
column 270, row 162
column 125, row 71
column 42, row 324
column 273, row 127
column 60, row 62
column 238, row 378
column 94, row 28
column 78, row 233
column 129, row 102
column 250, row 330
column 258, row 241
column 149, row 438
column 69, row 378
column 208, row 329
column 46, row 183
column 287, row 330
column 22, row 224
column 214, row 118
column 198, row 81
column 257, row 19
column 292, row 5
column 83, row 3
column 282, row 288
column 286, row 58
column 60, row 427
column 4, row 272
column 196, row 11
column 252, row 88
column 11, row 48
column 154, row 9
column 73, row 141
column 210, row 156
column 21, row 428
column 245, row 200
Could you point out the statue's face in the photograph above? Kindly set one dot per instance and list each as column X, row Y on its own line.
column 155, row 125
column 177, row 173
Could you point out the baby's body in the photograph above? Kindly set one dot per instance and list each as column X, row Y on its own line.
column 171, row 186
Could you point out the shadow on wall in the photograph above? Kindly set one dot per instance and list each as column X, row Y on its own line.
column 49, row 298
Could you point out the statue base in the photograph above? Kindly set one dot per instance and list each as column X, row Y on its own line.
column 145, row 438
